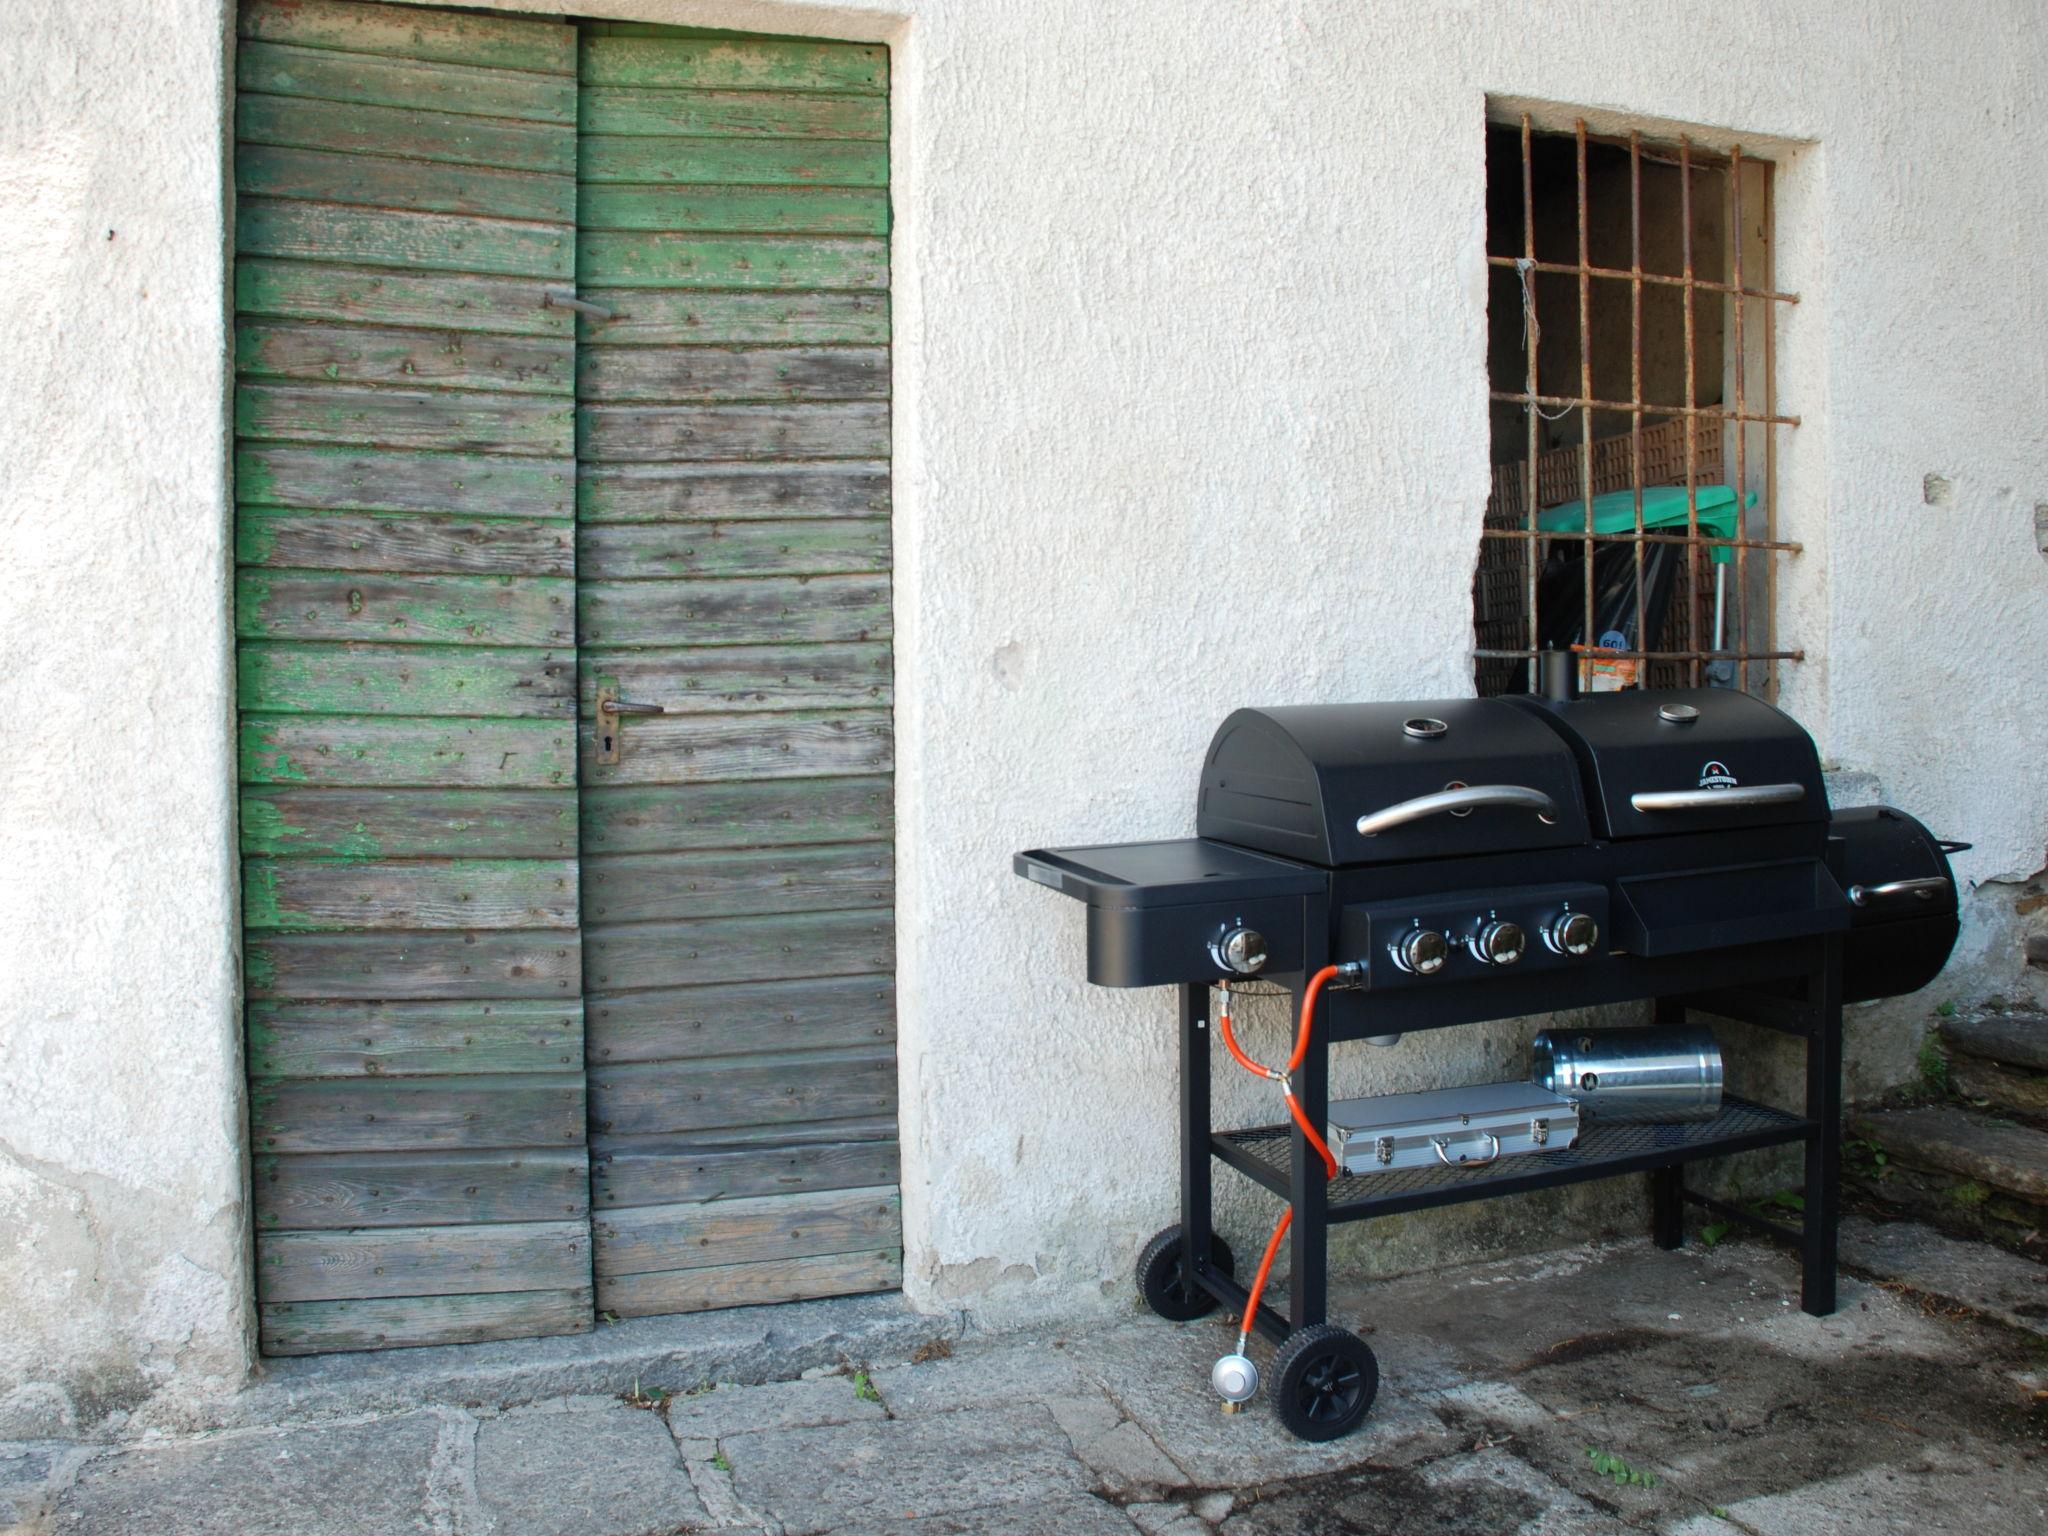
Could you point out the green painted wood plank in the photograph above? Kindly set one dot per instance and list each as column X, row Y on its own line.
column 642, row 493
column 746, row 1231
column 728, row 679
column 295, row 122
column 668, row 317
column 761, row 63
column 417, row 1114
column 404, row 608
column 793, row 1087
column 422, row 1261
column 740, row 949
column 705, row 375
column 639, row 887
column 638, row 818
column 851, row 429
column 602, row 160
column 341, row 1191
column 319, row 1327
column 422, row 186
column 359, row 415
column 294, row 678
column 362, row 354
column 335, row 895
column 412, row 967
column 393, row 751
column 677, row 1171
column 737, row 210
column 414, row 32
column 769, row 610
column 461, row 304
column 285, row 69
column 377, row 1039
column 435, row 242
column 414, row 823
column 660, row 112
column 388, row 480
column 771, row 1281
column 800, row 547
column 628, row 259
column 287, row 537
column 696, row 749
column 745, row 1019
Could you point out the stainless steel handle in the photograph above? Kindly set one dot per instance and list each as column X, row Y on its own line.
column 553, row 300
column 1444, row 1157
column 1718, row 799
column 1514, row 796
column 628, row 707
column 1924, row 888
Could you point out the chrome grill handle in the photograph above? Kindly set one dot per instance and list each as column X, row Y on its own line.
column 1924, row 887
column 1454, row 801
column 1734, row 799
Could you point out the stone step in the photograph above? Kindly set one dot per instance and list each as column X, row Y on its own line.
column 1974, row 1275
column 2009, row 1039
column 1992, row 1152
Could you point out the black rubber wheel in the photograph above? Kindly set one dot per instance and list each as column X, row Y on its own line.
column 1163, row 1277
column 1324, row 1381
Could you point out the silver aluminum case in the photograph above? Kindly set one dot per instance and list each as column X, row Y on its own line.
column 1450, row 1127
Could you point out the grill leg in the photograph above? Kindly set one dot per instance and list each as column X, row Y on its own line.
column 1824, row 1147
column 1308, row 1250
column 1667, row 1185
column 1195, row 1172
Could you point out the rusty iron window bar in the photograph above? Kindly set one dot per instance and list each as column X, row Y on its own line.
column 1752, row 660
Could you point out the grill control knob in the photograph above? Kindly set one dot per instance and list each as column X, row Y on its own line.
column 1575, row 933
column 1499, row 943
column 1241, row 951
column 1422, row 951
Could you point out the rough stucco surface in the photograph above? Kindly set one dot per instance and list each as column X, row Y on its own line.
column 122, row 1260
column 1191, row 412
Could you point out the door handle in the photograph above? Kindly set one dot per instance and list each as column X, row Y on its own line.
column 610, row 708
column 569, row 301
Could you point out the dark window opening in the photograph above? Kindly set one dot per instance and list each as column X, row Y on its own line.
column 1634, row 416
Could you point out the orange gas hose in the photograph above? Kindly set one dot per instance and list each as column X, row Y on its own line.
column 1313, row 1134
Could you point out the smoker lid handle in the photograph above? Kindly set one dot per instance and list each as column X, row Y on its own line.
column 1732, row 799
column 1926, row 887
column 1457, row 802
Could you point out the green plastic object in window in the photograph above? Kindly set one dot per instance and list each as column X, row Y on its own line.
column 1663, row 509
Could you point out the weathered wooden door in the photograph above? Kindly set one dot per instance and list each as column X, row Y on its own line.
column 415, row 496
column 405, row 478
column 733, row 557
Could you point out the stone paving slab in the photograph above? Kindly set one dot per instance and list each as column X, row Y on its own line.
column 1974, row 1275
column 610, row 1471
column 1919, row 1497
column 1125, row 1459
column 386, row 1477
column 832, row 1479
column 1062, row 1515
column 729, row 1410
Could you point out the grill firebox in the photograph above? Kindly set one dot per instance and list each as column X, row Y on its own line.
column 1451, row 862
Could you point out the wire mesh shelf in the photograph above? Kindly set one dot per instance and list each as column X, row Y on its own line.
column 1263, row 1152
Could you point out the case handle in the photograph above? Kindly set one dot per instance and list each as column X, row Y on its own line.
column 1444, row 1157
column 1456, row 801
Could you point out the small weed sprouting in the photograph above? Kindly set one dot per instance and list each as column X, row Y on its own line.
column 1866, row 1159
column 718, row 1460
column 1609, row 1465
column 651, row 1398
column 1933, row 1067
column 864, row 1389
column 1968, row 1193
column 1714, row 1231
column 1947, row 1010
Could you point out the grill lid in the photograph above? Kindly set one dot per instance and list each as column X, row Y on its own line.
column 1430, row 780
column 1686, row 760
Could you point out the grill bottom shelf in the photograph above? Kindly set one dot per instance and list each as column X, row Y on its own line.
column 1263, row 1153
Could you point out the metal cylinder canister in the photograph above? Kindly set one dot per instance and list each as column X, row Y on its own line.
column 1632, row 1076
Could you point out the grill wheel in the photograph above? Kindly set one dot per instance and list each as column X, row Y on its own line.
column 1163, row 1279
column 1324, row 1381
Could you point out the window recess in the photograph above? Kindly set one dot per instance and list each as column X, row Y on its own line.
column 1634, row 414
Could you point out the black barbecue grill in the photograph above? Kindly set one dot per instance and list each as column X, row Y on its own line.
column 1476, row 859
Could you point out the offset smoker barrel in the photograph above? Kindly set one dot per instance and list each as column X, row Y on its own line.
column 1902, row 900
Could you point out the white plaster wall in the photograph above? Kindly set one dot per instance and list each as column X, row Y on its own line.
column 1191, row 411
column 122, row 1264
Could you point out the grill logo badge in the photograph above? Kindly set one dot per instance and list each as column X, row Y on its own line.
column 1716, row 776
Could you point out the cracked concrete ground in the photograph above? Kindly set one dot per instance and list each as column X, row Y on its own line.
column 1597, row 1390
